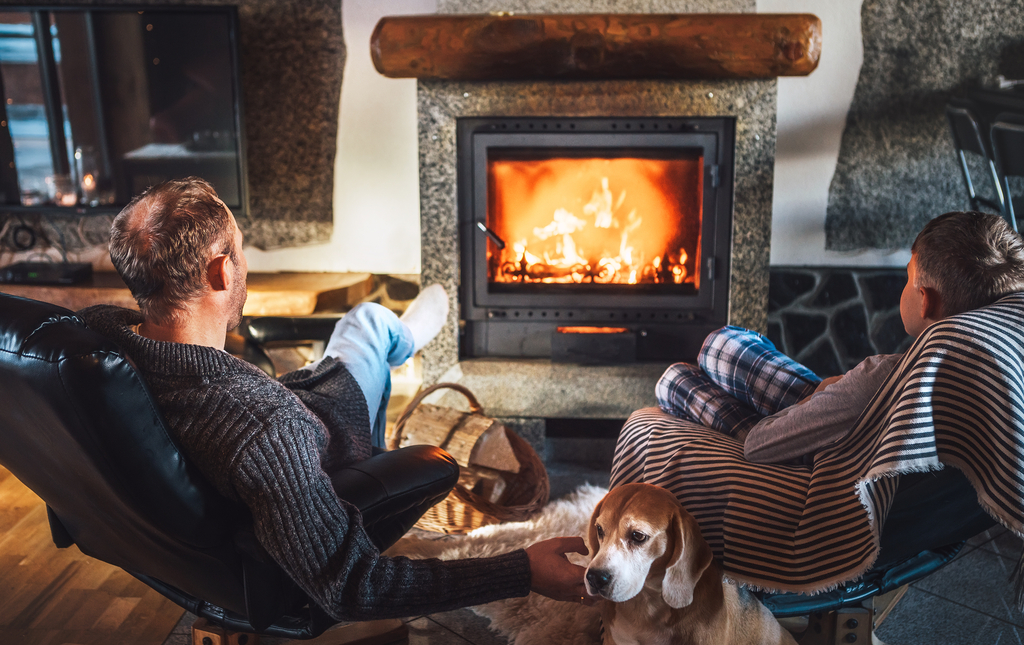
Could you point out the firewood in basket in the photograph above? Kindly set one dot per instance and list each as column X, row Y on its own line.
column 493, row 450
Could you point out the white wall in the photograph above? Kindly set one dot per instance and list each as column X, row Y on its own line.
column 811, row 117
column 376, row 198
column 376, row 172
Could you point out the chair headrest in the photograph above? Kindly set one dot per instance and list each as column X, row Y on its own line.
column 110, row 437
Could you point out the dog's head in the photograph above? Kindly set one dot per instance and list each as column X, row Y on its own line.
column 641, row 536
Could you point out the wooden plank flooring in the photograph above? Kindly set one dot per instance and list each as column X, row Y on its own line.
column 51, row 596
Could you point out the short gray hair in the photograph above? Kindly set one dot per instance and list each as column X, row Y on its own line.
column 160, row 244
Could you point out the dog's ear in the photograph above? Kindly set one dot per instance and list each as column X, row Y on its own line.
column 691, row 555
column 592, row 542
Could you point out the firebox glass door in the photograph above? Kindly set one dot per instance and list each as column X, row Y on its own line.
column 596, row 223
column 583, row 221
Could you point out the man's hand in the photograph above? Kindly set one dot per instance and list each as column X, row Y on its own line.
column 826, row 382
column 552, row 574
column 821, row 386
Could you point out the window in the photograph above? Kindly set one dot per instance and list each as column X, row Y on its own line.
column 99, row 104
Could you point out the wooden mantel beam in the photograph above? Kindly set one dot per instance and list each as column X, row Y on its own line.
column 596, row 46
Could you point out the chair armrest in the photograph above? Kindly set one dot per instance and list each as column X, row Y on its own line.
column 391, row 491
column 394, row 482
column 268, row 329
column 255, row 333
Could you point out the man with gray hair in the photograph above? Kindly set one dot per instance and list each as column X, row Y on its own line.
column 272, row 444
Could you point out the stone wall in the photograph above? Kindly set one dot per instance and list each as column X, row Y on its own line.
column 896, row 168
column 831, row 318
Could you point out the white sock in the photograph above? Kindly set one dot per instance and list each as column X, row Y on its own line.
column 426, row 315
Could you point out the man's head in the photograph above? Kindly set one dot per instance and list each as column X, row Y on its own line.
column 165, row 243
column 959, row 262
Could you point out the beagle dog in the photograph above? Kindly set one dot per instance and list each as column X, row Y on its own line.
column 663, row 586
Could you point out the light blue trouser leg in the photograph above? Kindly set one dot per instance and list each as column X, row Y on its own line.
column 369, row 341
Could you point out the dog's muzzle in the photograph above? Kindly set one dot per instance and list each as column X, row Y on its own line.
column 598, row 579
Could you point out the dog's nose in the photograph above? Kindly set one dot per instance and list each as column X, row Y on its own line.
column 598, row 579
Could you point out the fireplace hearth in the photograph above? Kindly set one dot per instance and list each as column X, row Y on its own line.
column 569, row 225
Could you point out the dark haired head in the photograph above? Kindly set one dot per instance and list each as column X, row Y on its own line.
column 972, row 259
column 162, row 242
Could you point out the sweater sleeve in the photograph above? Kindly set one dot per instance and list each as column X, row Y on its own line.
column 822, row 420
column 330, row 393
column 319, row 541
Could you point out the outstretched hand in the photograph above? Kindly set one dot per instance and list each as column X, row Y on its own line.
column 552, row 573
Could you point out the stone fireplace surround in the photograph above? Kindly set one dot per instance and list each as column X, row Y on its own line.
column 527, row 391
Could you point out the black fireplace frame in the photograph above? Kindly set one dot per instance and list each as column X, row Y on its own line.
column 666, row 326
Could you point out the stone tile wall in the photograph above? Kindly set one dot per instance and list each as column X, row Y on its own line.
column 831, row 318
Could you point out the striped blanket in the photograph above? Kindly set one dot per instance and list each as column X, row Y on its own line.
column 955, row 399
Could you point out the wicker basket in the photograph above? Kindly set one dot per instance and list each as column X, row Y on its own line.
column 502, row 478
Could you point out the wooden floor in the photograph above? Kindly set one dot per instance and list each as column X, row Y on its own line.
column 51, row 596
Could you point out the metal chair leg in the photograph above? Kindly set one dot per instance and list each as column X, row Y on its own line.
column 883, row 605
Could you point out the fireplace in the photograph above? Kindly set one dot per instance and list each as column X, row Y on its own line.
column 593, row 239
column 688, row 97
column 535, row 386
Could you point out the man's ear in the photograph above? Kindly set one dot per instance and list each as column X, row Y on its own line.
column 218, row 273
column 691, row 555
column 931, row 303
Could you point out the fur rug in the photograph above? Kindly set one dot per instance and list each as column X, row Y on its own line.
column 533, row 620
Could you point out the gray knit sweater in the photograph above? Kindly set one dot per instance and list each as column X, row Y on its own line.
column 269, row 444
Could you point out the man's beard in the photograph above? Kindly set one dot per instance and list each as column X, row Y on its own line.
column 238, row 297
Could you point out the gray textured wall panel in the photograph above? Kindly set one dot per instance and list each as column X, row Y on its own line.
column 896, row 168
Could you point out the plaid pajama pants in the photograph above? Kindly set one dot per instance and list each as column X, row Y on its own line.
column 739, row 379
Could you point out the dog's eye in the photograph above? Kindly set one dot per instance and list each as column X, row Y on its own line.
column 600, row 532
column 638, row 537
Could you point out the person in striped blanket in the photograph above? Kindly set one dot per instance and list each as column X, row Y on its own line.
column 744, row 387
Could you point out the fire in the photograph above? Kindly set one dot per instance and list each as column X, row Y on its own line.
column 595, row 220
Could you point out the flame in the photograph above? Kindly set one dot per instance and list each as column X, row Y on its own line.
column 596, row 220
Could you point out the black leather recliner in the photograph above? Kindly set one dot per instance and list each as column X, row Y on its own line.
column 79, row 427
